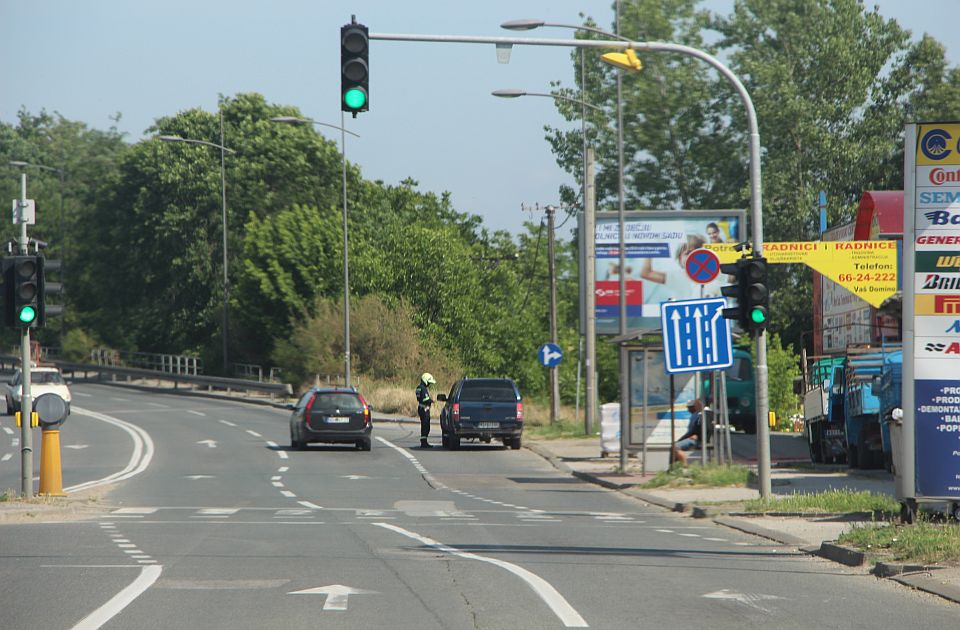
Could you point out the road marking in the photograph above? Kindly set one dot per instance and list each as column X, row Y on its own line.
column 6, row 457
column 283, row 455
column 228, row 423
column 272, row 444
column 153, row 404
column 313, row 506
column 196, row 413
column 354, row 477
column 277, row 484
column 283, row 469
column 337, row 595
column 134, row 510
column 82, row 394
column 218, row 511
column 716, row 539
column 287, row 493
column 209, row 443
column 199, row 476
column 76, row 446
column 276, row 478
column 119, row 540
column 126, row 545
column 139, row 459
column 560, row 606
column 121, row 399
column 665, row 531
column 8, row 430
column 96, row 619
column 254, row 433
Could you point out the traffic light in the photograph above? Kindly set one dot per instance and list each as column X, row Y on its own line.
column 735, row 291
column 756, row 295
column 354, row 68
column 23, row 277
column 47, row 289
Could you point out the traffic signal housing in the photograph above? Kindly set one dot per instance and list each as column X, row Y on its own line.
column 734, row 270
column 48, row 289
column 752, row 311
column 354, row 68
column 23, row 280
column 756, row 294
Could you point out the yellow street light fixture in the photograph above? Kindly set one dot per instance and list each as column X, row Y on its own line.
column 626, row 60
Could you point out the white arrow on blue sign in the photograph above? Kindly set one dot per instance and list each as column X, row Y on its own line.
column 550, row 355
column 696, row 336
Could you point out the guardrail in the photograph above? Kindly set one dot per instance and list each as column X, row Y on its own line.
column 161, row 379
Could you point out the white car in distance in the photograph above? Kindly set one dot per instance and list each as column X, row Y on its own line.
column 43, row 380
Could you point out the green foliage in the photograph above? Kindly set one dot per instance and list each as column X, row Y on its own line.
column 924, row 542
column 77, row 344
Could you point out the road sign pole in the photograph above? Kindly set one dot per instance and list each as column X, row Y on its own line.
column 26, row 403
column 554, row 375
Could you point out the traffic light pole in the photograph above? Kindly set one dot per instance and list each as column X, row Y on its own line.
column 26, row 402
column 756, row 213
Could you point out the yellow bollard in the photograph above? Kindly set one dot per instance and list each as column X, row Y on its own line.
column 51, row 477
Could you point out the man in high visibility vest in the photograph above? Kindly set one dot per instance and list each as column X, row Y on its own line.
column 424, row 400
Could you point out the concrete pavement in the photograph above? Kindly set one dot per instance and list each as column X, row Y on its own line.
column 812, row 534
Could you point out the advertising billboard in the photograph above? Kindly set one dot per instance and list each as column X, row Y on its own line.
column 657, row 246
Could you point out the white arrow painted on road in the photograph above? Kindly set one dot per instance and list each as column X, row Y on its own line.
column 354, row 477
column 337, row 595
column 747, row 599
column 210, row 443
column 76, row 446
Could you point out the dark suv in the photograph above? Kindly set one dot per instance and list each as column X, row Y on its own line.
column 482, row 408
column 332, row 414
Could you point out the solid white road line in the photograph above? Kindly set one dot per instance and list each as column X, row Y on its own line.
column 196, row 413
column 560, row 606
column 254, row 433
column 96, row 619
column 139, row 459
column 313, row 506
column 228, row 423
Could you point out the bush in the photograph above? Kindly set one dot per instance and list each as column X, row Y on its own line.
column 77, row 344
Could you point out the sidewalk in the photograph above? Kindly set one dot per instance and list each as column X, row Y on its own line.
column 814, row 535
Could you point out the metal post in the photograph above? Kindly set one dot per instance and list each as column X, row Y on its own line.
column 590, row 274
column 576, row 413
column 26, row 401
column 226, row 276
column 646, row 388
column 624, row 383
column 554, row 375
column 346, row 259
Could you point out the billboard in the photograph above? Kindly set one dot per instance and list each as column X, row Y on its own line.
column 657, row 245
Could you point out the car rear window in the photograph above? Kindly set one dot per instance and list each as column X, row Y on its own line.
column 333, row 403
column 488, row 391
column 49, row 378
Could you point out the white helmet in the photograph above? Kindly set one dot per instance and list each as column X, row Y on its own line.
column 427, row 378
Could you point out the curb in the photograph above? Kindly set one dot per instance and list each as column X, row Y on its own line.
column 744, row 525
column 843, row 555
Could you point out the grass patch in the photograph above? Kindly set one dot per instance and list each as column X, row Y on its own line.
column 709, row 475
column 7, row 495
column 829, row 502
column 925, row 542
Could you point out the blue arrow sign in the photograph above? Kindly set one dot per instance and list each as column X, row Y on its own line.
column 550, row 355
column 696, row 336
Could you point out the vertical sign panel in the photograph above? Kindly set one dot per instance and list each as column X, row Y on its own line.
column 933, row 294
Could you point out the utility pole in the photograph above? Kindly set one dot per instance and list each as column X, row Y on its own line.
column 590, row 277
column 551, row 262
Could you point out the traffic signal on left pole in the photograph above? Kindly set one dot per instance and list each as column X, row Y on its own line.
column 23, row 280
column 354, row 68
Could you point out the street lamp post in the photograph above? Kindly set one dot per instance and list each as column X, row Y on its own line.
column 293, row 120
column 223, row 199
column 589, row 274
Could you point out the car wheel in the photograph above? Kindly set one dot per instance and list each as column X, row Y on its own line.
column 453, row 442
column 364, row 445
column 294, row 442
column 445, row 439
column 515, row 443
column 10, row 410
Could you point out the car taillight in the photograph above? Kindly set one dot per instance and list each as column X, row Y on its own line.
column 306, row 410
column 456, row 412
column 366, row 410
column 519, row 412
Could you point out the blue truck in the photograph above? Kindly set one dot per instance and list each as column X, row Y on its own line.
column 844, row 399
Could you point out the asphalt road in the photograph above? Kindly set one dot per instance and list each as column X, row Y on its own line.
column 212, row 523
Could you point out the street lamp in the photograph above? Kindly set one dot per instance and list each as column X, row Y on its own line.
column 223, row 198
column 294, row 120
column 589, row 272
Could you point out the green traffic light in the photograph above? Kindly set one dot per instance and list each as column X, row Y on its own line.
column 758, row 316
column 355, row 98
column 27, row 314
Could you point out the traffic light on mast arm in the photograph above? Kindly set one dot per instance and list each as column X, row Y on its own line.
column 354, row 68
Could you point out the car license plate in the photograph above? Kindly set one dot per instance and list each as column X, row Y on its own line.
column 338, row 419
column 488, row 425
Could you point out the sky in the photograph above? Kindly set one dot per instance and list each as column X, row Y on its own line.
column 431, row 118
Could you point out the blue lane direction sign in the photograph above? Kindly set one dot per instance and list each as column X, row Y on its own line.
column 702, row 266
column 550, row 355
column 696, row 336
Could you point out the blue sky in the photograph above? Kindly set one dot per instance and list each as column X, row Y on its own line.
column 431, row 118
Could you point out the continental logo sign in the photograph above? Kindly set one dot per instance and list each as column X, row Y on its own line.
column 937, row 304
column 934, row 262
column 937, row 144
